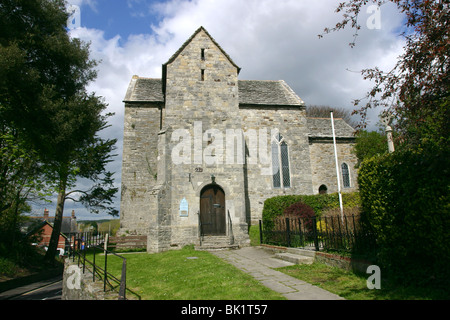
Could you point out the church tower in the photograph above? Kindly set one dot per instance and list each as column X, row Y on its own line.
column 197, row 153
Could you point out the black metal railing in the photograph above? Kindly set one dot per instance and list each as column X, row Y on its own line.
column 102, row 273
column 200, row 229
column 318, row 233
column 81, row 244
column 230, row 228
column 80, row 240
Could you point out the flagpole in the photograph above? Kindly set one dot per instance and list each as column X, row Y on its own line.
column 337, row 169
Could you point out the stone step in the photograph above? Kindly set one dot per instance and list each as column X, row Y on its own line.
column 302, row 252
column 216, row 243
column 294, row 258
column 214, row 247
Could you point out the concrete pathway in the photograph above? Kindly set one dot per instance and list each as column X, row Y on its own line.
column 259, row 263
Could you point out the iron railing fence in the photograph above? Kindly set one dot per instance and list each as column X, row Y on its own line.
column 318, row 233
column 79, row 244
column 79, row 240
column 103, row 273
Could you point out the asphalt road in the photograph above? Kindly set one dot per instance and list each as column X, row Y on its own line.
column 50, row 292
column 44, row 290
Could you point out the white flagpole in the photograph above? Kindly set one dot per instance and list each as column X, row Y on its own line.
column 337, row 169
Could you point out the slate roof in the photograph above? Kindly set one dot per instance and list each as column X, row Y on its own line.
column 68, row 225
column 143, row 90
column 273, row 93
column 321, row 128
column 251, row 92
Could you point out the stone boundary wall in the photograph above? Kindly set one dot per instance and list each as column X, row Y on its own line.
column 128, row 242
column 345, row 263
column 79, row 286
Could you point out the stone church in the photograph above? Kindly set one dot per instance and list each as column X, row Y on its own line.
column 203, row 150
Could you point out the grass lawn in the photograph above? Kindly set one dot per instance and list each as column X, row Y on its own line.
column 174, row 275
column 353, row 286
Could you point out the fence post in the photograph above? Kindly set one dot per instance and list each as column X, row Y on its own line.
column 84, row 259
column 93, row 266
column 301, row 236
column 123, row 281
column 288, row 233
column 260, row 232
column 105, row 275
column 316, row 238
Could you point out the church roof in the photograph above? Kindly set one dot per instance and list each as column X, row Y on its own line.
column 251, row 92
column 321, row 128
column 273, row 93
column 143, row 90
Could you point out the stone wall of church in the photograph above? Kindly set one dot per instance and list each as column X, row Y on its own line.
column 323, row 165
column 291, row 124
column 139, row 168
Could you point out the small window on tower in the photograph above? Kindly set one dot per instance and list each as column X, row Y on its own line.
column 203, row 74
column 203, row 54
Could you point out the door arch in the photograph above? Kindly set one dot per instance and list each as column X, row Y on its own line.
column 212, row 210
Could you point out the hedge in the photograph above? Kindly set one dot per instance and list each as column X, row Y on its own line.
column 274, row 207
column 405, row 201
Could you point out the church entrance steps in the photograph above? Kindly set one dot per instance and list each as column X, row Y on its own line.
column 211, row 243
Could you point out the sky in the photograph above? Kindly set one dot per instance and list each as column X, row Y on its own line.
column 268, row 39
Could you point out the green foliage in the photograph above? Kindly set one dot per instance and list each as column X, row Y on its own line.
column 43, row 100
column 369, row 144
column 405, row 201
column 274, row 207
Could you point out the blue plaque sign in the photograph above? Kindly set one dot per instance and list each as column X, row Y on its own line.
column 184, row 208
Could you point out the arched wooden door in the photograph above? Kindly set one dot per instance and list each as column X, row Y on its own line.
column 212, row 211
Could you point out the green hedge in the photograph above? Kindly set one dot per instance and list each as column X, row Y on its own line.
column 405, row 200
column 274, row 207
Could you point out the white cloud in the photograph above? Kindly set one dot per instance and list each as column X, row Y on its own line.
column 269, row 39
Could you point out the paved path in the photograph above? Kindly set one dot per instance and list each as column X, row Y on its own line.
column 259, row 263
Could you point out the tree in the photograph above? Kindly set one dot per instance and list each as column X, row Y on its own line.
column 74, row 150
column 324, row 112
column 369, row 144
column 416, row 90
column 43, row 79
column 20, row 182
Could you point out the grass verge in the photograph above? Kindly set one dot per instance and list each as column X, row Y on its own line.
column 353, row 286
column 187, row 275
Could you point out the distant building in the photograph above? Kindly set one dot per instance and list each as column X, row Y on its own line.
column 43, row 227
column 203, row 150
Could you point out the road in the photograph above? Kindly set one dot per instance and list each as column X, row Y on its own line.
column 44, row 290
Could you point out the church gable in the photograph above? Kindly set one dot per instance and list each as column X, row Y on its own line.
column 200, row 77
column 200, row 59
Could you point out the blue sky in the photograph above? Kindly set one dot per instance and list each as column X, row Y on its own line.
column 268, row 39
column 119, row 17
